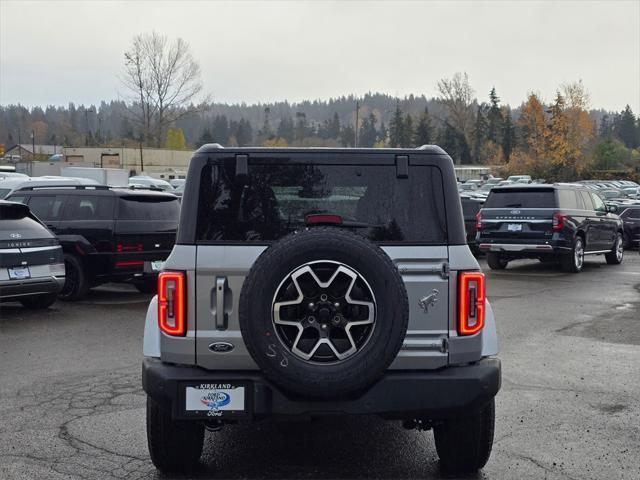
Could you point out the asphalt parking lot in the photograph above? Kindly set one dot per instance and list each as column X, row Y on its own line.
column 71, row 405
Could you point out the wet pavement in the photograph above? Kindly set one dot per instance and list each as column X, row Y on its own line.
column 71, row 405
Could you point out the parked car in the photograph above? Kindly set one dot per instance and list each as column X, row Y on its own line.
column 107, row 234
column 31, row 258
column 145, row 181
column 519, row 178
column 10, row 185
column 630, row 216
column 562, row 222
column 470, row 208
column 309, row 282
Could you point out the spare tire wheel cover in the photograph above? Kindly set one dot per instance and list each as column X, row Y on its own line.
column 323, row 312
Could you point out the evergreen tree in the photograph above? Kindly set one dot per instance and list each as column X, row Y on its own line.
column 244, row 133
column 347, row 136
column 368, row 133
column 406, row 138
column 285, row 129
column 396, row 128
column 494, row 118
column 220, row 130
column 301, row 130
column 333, row 130
column 626, row 128
column 266, row 132
column 508, row 135
column 480, row 130
column 605, row 127
column 205, row 137
column 423, row 134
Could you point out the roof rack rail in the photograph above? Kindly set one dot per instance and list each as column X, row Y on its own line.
column 143, row 187
column 77, row 187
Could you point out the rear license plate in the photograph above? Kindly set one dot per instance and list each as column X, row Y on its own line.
column 19, row 273
column 514, row 227
column 224, row 399
column 157, row 265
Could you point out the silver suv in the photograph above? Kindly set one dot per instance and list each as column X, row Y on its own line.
column 310, row 282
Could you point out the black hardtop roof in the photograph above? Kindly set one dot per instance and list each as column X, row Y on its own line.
column 217, row 148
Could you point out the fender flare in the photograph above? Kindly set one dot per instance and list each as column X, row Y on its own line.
column 151, row 339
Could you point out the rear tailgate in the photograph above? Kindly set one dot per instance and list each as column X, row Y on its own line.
column 518, row 215
column 145, row 231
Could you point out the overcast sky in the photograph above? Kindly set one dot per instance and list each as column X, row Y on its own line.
column 56, row 52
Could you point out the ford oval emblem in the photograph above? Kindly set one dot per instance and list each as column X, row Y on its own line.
column 221, row 347
column 515, row 212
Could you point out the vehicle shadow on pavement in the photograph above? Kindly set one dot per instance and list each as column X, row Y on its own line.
column 325, row 448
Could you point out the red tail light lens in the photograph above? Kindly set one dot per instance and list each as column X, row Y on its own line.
column 478, row 221
column 172, row 303
column 558, row 221
column 320, row 219
column 136, row 247
column 471, row 302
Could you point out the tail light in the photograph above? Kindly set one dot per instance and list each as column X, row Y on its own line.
column 471, row 302
column 122, row 247
column 558, row 221
column 172, row 303
column 323, row 219
column 478, row 221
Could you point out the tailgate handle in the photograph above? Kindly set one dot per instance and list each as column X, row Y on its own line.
column 221, row 315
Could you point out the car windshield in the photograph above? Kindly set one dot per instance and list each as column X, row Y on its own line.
column 4, row 192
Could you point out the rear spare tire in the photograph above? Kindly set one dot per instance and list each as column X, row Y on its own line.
column 323, row 312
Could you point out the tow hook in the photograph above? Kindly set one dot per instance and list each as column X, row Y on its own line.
column 417, row 424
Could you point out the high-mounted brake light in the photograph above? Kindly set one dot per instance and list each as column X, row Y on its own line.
column 558, row 221
column 320, row 219
column 478, row 221
column 171, row 303
column 471, row 302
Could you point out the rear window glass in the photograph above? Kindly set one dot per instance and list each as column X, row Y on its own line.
column 274, row 200
column 47, row 207
column 81, row 207
column 528, row 198
column 148, row 207
column 569, row 199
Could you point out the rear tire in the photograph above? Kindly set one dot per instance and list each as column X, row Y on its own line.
column 76, row 285
column 464, row 444
column 616, row 255
column 496, row 261
column 39, row 302
column 573, row 261
column 174, row 446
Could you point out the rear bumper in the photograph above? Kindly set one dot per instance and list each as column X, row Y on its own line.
column 16, row 289
column 518, row 247
column 440, row 394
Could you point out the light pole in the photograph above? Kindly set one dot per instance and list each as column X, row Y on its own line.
column 33, row 149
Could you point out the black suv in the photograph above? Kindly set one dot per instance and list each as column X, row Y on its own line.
column 560, row 222
column 32, row 268
column 470, row 208
column 107, row 234
column 630, row 215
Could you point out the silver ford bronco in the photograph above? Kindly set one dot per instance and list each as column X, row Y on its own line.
column 308, row 282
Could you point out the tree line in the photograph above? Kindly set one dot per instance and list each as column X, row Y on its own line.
column 165, row 107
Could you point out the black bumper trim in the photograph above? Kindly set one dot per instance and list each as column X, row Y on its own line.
column 444, row 393
column 16, row 289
